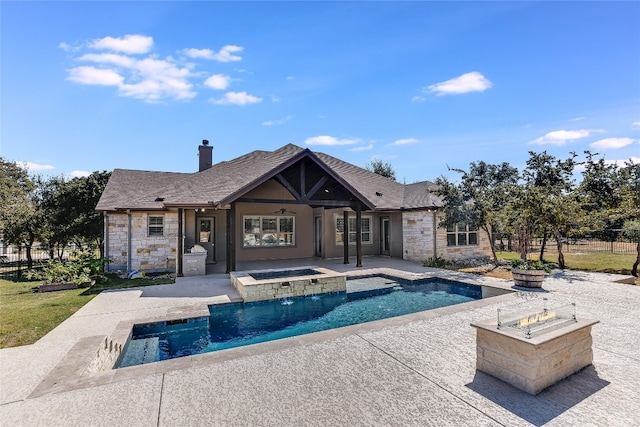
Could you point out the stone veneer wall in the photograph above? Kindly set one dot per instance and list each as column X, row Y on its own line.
column 147, row 253
column 418, row 236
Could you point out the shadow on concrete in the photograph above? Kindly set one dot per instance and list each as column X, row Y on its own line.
column 570, row 276
column 544, row 407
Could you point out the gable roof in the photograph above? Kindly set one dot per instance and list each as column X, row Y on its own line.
column 226, row 181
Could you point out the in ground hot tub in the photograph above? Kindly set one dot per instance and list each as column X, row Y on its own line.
column 259, row 285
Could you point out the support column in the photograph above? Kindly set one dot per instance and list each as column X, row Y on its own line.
column 358, row 235
column 345, row 236
column 231, row 239
column 180, row 248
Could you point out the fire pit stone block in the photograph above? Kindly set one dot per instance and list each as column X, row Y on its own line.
column 533, row 364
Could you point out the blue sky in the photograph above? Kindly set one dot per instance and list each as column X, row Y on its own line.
column 89, row 86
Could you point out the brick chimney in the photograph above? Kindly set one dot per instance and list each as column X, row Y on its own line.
column 205, row 152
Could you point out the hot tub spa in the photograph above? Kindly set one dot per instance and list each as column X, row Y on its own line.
column 259, row 285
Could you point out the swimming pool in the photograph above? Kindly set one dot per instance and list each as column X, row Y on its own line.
column 239, row 324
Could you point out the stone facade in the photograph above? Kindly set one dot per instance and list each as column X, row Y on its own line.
column 148, row 253
column 420, row 230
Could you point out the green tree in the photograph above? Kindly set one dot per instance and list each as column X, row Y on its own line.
column 629, row 206
column 377, row 165
column 73, row 210
column 479, row 198
column 18, row 213
column 546, row 200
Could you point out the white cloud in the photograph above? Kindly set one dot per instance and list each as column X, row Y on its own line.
column 224, row 55
column 149, row 77
column 289, row 78
column 68, row 48
column 109, row 58
column 131, row 43
column 405, row 141
column 612, row 143
column 31, row 167
column 418, row 99
column 277, row 122
column 330, row 140
column 577, row 119
column 79, row 174
column 237, row 98
column 218, row 82
column 561, row 137
column 635, row 124
column 469, row 82
column 362, row 148
column 95, row 76
column 622, row 163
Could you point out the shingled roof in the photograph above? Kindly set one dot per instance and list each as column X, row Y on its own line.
column 226, row 181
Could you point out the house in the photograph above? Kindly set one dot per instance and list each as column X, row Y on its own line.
column 282, row 204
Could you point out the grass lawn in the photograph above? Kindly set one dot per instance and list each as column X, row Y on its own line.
column 25, row 317
column 601, row 262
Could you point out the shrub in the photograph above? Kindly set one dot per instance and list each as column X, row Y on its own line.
column 81, row 268
column 529, row 265
column 435, row 262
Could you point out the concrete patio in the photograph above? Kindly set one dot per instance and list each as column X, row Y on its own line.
column 417, row 369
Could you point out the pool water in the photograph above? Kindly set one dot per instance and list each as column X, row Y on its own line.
column 240, row 324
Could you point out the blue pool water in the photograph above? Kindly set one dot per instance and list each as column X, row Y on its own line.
column 239, row 324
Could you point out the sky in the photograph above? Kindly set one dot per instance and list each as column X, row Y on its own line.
column 422, row 85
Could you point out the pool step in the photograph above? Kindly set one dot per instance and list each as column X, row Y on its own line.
column 141, row 351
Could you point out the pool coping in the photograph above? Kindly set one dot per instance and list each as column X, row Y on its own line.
column 71, row 372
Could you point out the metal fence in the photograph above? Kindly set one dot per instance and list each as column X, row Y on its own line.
column 601, row 241
column 13, row 259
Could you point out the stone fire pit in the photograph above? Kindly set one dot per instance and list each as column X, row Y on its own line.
column 533, row 350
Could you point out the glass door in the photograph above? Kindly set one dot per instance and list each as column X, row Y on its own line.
column 205, row 237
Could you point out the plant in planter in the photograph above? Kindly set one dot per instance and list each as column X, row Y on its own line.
column 527, row 273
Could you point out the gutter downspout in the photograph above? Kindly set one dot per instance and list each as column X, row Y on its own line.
column 128, row 240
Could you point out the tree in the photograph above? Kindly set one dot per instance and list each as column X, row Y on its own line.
column 479, row 199
column 377, row 165
column 77, row 201
column 629, row 207
column 18, row 217
column 550, row 202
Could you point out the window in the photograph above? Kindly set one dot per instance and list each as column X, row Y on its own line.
column 365, row 234
column 155, row 226
column 462, row 234
column 268, row 231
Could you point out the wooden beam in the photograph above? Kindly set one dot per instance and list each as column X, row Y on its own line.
column 303, row 179
column 231, row 240
column 316, row 187
column 180, row 248
column 326, row 203
column 288, row 186
column 359, row 236
column 345, row 236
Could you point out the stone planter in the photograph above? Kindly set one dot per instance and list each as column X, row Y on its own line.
column 528, row 278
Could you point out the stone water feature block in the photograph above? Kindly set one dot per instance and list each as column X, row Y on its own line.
column 322, row 280
column 533, row 364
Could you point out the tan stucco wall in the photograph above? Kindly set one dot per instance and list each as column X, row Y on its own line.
column 147, row 253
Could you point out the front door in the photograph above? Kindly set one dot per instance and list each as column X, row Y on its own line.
column 384, row 236
column 205, row 237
